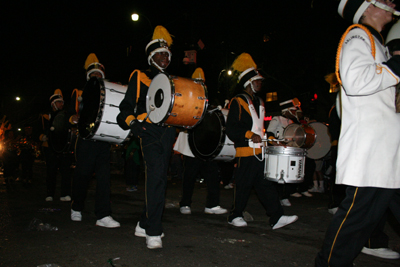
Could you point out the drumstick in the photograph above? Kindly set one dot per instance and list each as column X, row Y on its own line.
column 151, row 109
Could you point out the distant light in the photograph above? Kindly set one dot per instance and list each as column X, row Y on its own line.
column 19, row 129
column 135, row 17
column 229, row 72
column 18, row 98
column 267, row 118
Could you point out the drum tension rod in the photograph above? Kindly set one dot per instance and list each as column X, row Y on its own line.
column 116, row 91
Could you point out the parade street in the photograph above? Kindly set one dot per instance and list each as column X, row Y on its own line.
column 198, row 239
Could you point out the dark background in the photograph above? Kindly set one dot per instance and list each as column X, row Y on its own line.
column 45, row 44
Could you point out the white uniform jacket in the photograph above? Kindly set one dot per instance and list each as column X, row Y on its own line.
column 369, row 143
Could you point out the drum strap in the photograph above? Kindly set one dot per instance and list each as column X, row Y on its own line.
column 141, row 77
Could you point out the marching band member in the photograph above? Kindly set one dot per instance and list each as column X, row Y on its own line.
column 56, row 154
column 192, row 167
column 367, row 157
column 156, row 141
column 246, row 122
column 92, row 156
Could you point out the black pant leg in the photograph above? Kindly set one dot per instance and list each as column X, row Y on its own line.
column 192, row 168
column 211, row 172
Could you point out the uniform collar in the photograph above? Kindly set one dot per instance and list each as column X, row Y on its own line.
column 375, row 33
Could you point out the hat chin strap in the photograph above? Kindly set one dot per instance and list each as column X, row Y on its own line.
column 156, row 65
column 384, row 7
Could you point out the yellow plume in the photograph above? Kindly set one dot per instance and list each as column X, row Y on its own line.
column 162, row 33
column 331, row 78
column 58, row 92
column 198, row 74
column 90, row 59
column 243, row 62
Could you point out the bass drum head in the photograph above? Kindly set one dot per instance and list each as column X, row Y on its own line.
column 206, row 140
column 322, row 143
column 90, row 107
column 159, row 96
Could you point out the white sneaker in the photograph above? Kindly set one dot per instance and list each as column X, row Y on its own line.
column 385, row 253
column 285, row 220
column 76, row 216
column 215, row 210
column 229, row 186
column 296, row 194
column 141, row 232
column 153, row 242
column 285, row 202
column 321, row 190
column 49, row 199
column 333, row 210
column 314, row 190
column 66, row 198
column 238, row 222
column 185, row 210
column 108, row 222
column 305, row 193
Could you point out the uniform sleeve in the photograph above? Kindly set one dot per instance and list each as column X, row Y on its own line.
column 128, row 104
column 272, row 127
column 235, row 129
column 359, row 72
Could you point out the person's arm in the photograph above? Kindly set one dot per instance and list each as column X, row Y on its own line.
column 128, row 104
column 359, row 72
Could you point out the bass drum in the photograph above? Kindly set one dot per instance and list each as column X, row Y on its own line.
column 299, row 135
column 322, row 143
column 208, row 140
column 176, row 101
column 98, row 112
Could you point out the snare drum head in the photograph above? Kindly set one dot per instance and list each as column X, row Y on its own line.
column 295, row 134
column 90, row 107
column 322, row 143
column 159, row 96
column 207, row 138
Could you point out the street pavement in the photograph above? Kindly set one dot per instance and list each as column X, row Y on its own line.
column 198, row 239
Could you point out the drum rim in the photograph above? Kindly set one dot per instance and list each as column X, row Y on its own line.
column 215, row 153
column 201, row 82
column 316, row 139
column 100, row 111
column 171, row 102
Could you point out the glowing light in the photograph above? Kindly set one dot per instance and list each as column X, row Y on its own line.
column 268, row 118
column 135, row 17
column 18, row 98
column 229, row 72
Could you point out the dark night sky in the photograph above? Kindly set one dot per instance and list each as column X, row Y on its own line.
column 45, row 44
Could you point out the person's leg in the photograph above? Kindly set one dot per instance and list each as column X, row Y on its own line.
column 192, row 168
column 102, row 174
column 357, row 216
column 212, row 179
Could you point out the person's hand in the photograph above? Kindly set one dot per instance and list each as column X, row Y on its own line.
column 44, row 138
column 396, row 52
column 75, row 118
column 256, row 138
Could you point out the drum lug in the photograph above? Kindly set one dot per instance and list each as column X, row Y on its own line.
column 172, row 114
column 178, row 94
column 201, row 98
column 196, row 117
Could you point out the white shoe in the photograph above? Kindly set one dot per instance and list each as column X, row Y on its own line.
column 229, row 186
column 385, row 253
column 141, row 232
column 108, row 222
column 215, row 210
column 333, row 210
column 185, row 210
column 49, row 199
column 238, row 222
column 321, row 190
column 76, row 216
column 284, row 220
column 153, row 242
column 285, row 202
column 314, row 190
column 296, row 194
column 66, row 198
column 305, row 193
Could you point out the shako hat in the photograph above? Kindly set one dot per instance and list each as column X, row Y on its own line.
column 160, row 42
column 291, row 104
column 56, row 97
column 92, row 65
column 198, row 74
column 245, row 64
column 352, row 10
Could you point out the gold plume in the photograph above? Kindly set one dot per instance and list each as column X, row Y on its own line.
column 244, row 62
column 58, row 92
column 331, row 79
column 162, row 33
column 198, row 74
column 91, row 59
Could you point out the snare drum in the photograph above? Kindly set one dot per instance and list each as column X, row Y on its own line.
column 299, row 135
column 176, row 101
column 98, row 112
column 208, row 140
column 284, row 164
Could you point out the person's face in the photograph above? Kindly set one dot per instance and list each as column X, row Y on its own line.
column 161, row 59
column 377, row 13
column 95, row 74
column 257, row 85
column 59, row 105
